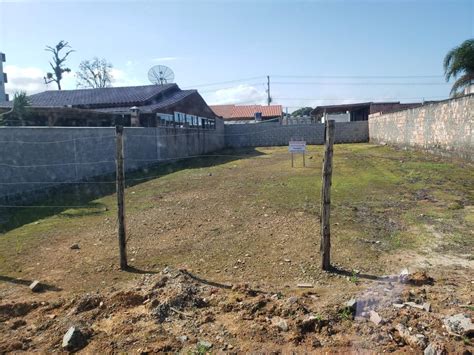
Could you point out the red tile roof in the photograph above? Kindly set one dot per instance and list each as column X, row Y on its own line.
column 246, row 112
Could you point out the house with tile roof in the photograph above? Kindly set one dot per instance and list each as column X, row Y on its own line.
column 133, row 105
column 232, row 113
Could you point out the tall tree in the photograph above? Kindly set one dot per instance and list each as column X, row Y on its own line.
column 94, row 73
column 57, row 63
column 459, row 64
column 304, row 111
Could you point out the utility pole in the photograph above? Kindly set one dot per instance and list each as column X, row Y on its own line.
column 120, row 198
column 325, row 248
column 269, row 99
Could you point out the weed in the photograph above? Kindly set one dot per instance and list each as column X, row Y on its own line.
column 354, row 278
column 345, row 313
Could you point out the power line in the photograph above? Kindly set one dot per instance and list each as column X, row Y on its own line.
column 224, row 82
column 355, row 83
column 225, row 88
column 359, row 99
column 360, row 76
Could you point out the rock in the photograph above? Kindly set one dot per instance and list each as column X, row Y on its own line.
column 435, row 349
column 417, row 340
column 36, row 286
column 75, row 246
column 460, row 324
column 292, row 300
column 352, row 304
column 403, row 275
column 414, row 305
column 280, row 324
column 205, row 344
column 427, row 306
column 375, row 318
column 308, row 324
column 74, row 339
column 183, row 338
column 398, row 305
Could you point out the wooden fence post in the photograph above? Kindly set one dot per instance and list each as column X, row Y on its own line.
column 325, row 247
column 120, row 197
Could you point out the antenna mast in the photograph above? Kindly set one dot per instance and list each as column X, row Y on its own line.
column 269, row 99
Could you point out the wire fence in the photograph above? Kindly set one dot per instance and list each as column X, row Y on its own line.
column 23, row 178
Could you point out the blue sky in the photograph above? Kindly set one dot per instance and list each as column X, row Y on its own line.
column 311, row 49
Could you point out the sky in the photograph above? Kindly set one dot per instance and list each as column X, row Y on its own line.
column 315, row 52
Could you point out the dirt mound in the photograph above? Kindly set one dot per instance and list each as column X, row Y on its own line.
column 12, row 310
column 173, row 312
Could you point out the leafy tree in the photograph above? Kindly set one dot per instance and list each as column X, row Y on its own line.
column 57, row 63
column 19, row 112
column 304, row 111
column 95, row 73
column 459, row 63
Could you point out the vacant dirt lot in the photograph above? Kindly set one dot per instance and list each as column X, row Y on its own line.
column 247, row 218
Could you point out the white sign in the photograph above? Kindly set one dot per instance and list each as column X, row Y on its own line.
column 297, row 146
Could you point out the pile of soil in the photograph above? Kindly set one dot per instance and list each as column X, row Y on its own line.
column 174, row 311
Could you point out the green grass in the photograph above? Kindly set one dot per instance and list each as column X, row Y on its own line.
column 378, row 194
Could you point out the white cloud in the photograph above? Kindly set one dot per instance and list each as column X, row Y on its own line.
column 241, row 94
column 165, row 59
column 29, row 79
column 121, row 78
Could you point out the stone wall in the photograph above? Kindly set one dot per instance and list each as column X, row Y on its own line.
column 35, row 159
column 443, row 128
column 274, row 134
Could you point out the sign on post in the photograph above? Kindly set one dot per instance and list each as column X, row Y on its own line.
column 298, row 147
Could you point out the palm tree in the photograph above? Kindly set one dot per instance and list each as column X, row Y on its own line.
column 459, row 63
column 19, row 112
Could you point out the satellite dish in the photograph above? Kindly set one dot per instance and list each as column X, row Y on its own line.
column 160, row 75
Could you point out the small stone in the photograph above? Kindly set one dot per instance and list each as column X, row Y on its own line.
column 280, row 324
column 427, row 306
column 292, row 300
column 75, row 246
column 460, row 324
column 287, row 260
column 35, row 286
column 74, row 339
column 183, row 338
column 398, row 305
column 283, row 325
column 375, row 318
column 352, row 304
column 435, row 349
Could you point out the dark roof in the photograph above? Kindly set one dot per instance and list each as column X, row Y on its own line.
column 126, row 95
column 172, row 99
column 340, row 108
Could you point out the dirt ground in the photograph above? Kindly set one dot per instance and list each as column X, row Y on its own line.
column 244, row 226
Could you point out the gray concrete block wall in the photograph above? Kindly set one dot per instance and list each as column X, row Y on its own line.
column 443, row 128
column 274, row 134
column 33, row 159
